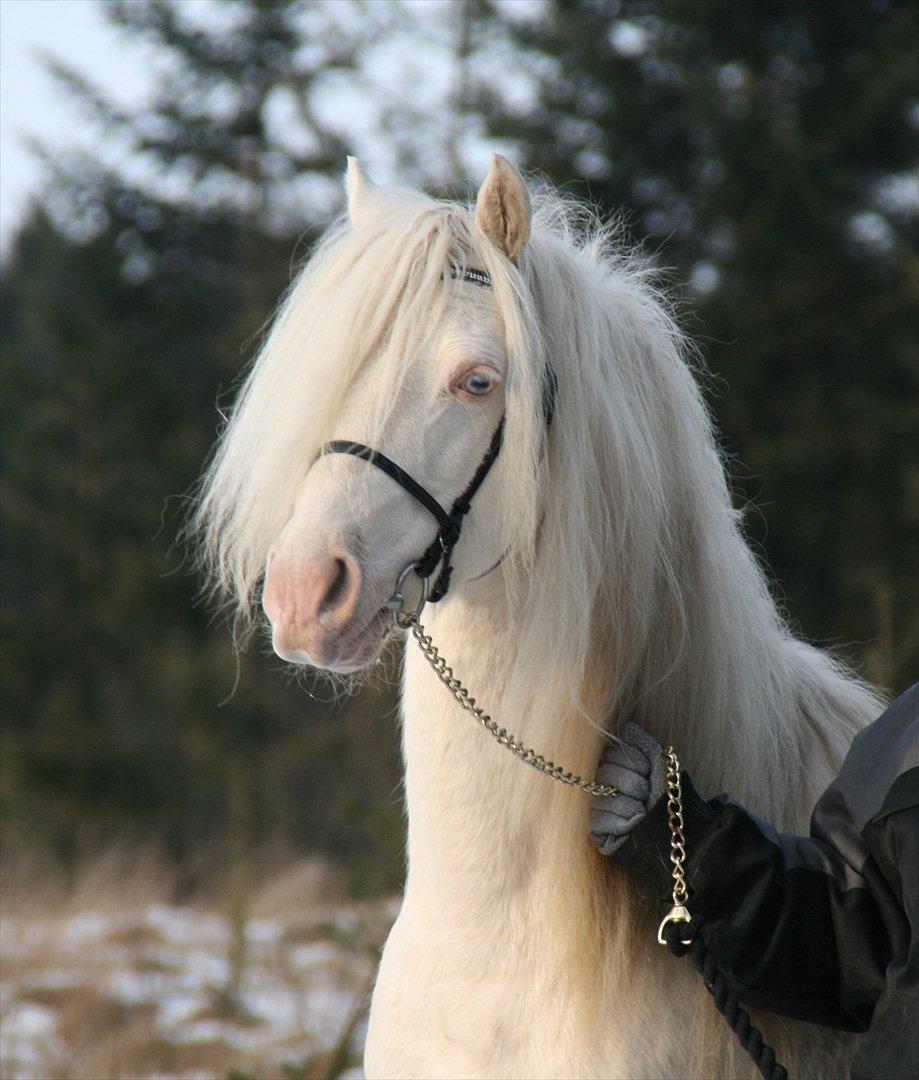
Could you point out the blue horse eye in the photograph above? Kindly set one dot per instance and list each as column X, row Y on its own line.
column 477, row 383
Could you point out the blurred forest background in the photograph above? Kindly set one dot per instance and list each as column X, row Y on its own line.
column 763, row 152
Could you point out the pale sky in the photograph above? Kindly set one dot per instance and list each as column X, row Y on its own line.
column 31, row 105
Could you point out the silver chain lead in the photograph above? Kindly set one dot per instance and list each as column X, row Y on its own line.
column 462, row 696
column 675, row 821
column 679, row 912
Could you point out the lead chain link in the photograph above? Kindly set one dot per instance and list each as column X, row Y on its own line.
column 675, row 821
column 679, row 913
column 526, row 754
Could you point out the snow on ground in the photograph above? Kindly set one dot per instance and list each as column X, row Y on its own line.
column 149, row 993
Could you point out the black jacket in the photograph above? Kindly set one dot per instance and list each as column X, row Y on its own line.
column 822, row 928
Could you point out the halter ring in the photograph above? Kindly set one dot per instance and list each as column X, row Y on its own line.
column 395, row 603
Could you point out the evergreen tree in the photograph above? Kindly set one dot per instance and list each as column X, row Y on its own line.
column 765, row 151
column 127, row 306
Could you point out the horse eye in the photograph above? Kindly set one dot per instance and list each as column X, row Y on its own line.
column 477, row 383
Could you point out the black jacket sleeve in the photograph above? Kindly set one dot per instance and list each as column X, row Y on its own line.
column 808, row 927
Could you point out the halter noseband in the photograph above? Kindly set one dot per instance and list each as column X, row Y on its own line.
column 450, row 523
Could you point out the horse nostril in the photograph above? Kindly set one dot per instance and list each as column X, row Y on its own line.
column 338, row 586
column 342, row 591
column 310, row 598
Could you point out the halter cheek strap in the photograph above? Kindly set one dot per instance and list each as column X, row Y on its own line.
column 440, row 550
column 450, row 523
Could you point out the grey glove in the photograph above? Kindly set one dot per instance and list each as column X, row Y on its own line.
column 635, row 766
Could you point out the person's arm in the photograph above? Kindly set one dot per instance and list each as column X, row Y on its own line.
column 797, row 926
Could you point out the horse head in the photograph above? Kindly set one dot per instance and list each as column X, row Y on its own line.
column 430, row 397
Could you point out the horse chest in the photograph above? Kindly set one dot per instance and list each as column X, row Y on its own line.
column 443, row 1009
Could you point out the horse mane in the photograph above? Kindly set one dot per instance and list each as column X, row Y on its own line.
column 636, row 594
column 639, row 531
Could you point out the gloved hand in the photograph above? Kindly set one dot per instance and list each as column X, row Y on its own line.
column 636, row 767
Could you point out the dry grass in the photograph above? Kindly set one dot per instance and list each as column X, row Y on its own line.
column 105, row 977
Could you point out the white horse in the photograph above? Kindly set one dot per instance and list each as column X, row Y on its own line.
column 624, row 590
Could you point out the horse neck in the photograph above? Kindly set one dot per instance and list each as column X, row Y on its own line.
column 484, row 831
column 751, row 710
column 505, row 890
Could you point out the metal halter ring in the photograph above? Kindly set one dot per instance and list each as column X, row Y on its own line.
column 397, row 600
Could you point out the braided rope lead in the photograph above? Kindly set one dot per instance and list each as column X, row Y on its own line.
column 749, row 1037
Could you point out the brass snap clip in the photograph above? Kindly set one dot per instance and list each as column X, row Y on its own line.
column 677, row 914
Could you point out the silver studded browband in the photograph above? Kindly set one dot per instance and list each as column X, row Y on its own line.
column 476, row 277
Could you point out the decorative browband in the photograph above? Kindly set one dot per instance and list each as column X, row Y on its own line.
column 475, row 277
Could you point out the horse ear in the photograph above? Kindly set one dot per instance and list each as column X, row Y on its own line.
column 362, row 191
column 502, row 208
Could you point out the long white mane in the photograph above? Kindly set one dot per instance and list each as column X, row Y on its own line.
column 637, row 596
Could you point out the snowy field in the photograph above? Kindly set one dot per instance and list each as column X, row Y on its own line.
column 102, row 992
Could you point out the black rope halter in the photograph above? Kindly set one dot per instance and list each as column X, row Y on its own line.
column 450, row 522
